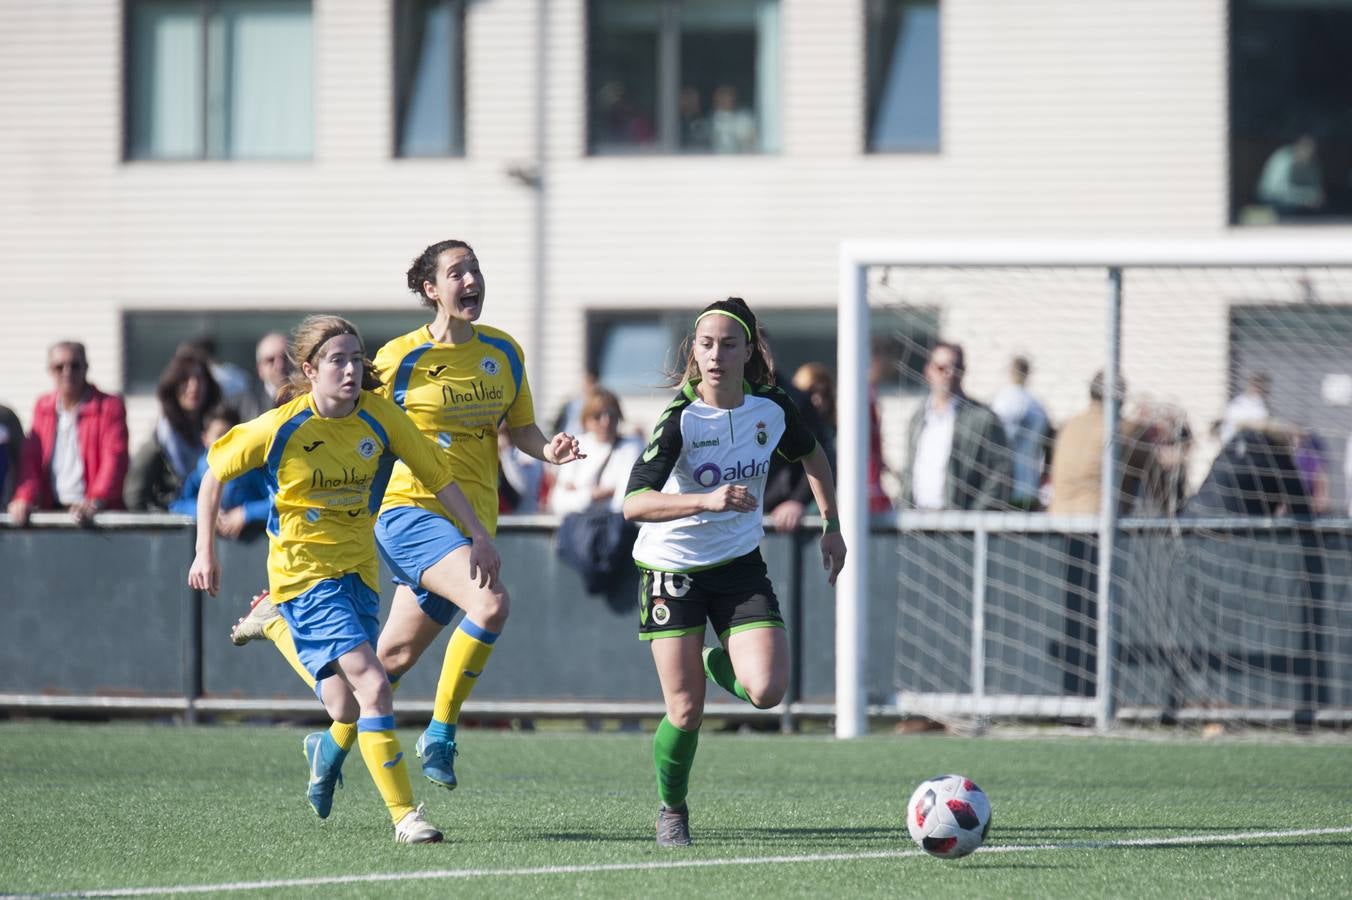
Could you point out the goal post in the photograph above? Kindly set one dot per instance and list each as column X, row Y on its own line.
column 1182, row 619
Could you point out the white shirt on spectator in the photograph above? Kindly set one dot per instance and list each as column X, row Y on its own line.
column 1246, row 409
column 605, row 465
column 929, row 472
column 68, row 475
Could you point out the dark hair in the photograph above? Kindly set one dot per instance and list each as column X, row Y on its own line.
column 223, row 413
column 959, row 358
column 760, row 368
column 424, row 268
column 185, row 363
column 1096, row 387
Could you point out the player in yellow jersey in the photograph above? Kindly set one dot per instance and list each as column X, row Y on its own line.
column 327, row 453
column 457, row 381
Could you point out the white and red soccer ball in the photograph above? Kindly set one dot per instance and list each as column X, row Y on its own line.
column 948, row 816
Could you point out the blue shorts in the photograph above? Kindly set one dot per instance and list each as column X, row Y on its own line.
column 411, row 540
column 332, row 618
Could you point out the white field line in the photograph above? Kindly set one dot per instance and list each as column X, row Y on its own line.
column 448, row 874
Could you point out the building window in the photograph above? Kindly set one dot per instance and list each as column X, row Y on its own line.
column 149, row 337
column 429, row 77
column 1290, row 96
column 903, row 75
column 219, row 79
column 683, row 76
column 632, row 352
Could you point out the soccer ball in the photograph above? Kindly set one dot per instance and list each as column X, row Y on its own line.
column 948, row 816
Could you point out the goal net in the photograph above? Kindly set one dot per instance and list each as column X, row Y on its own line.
column 1193, row 569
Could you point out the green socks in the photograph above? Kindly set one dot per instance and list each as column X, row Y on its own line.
column 673, row 755
column 718, row 666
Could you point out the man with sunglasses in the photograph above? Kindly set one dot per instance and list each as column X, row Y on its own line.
column 76, row 454
column 958, row 456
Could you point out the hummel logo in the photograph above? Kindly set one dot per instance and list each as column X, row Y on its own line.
column 394, row 762
column 435, row 371
column 354, row 512
column 469, row 674
column 310, row 447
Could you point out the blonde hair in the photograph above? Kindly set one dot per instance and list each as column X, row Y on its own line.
column 310, row 335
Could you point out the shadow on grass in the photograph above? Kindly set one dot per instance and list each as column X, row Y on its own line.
column 713, row 831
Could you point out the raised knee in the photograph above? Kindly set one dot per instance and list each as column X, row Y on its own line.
column 764, row 696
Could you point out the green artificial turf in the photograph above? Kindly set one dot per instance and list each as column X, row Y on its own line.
column 117, row 806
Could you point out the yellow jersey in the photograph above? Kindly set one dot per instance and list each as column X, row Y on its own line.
column 326, row 477
column 457, row 394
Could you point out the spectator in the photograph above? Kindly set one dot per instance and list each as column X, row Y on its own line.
column 1029, row 433
column 815, row 380
column 520, row 476
column 694, row 126
column 274, row 370
column 11, row 445
column 596, row 481
column 881, row 361
column 1255, row 474
column 957, row 456
column 1312, row 463
column 245, row 501
column 1292, row 181
column 163, row 463
column 732, row 127
column 787, row 492
column 76, row 454
column 569, row 417
column 1170, row 439
column 1250, row 407
column 1077, row 460
column 1077, row 479
column 234, row 382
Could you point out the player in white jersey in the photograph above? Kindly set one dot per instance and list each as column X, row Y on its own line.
column 697, row 491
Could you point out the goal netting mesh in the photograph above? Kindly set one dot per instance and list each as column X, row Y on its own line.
column 1229, row 591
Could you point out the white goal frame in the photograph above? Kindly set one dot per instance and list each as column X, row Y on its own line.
column 852, row 353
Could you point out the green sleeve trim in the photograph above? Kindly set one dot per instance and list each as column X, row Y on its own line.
column 784, row 456
column 642, row 490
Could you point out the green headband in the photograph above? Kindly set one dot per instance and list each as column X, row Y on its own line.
column 734, row 317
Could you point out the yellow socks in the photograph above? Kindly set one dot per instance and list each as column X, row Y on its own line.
column 466, row 656
column 277, row 632
column 385, row 762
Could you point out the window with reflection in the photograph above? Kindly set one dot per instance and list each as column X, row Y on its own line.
column 429, row 77
column 219, row 79
column 903, row 75
column 1290, row 111
column 683, row 76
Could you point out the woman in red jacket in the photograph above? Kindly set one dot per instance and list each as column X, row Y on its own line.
column 76, row 454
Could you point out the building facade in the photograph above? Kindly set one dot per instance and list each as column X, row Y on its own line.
column 173, row 166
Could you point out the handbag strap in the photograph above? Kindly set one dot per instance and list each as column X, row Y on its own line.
column 601, row 469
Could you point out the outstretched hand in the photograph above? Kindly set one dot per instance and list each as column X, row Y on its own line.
column 564, row 448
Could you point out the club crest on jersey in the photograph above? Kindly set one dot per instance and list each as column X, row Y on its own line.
column 761, row 436
column 489, row 365
column 366, row 447
column 444, row 439
column 661, row 613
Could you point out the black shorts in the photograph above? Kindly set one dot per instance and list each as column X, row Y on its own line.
column 736, row 596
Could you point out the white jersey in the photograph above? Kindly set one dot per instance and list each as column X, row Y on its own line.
column 695, row 449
